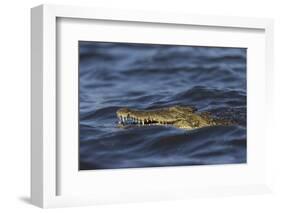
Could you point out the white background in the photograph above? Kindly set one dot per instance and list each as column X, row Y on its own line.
column 15, row 105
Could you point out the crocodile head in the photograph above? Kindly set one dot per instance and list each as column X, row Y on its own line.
column 177, row 116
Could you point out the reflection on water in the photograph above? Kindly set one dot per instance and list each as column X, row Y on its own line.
column 144, row 76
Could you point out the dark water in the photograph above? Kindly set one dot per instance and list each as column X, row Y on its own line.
column 143, row 76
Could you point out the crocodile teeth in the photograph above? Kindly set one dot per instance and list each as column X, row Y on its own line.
column 126, row 119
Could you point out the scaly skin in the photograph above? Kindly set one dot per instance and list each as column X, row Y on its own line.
column 177, row 116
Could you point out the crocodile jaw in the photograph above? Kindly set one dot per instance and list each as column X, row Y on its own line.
column 128, row 116
column 172, row 116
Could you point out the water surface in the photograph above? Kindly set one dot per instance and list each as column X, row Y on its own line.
column 145, row 76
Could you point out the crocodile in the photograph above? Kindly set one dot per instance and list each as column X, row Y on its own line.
column 184, row 117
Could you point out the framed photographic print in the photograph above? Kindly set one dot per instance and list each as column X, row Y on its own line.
column 130, row 106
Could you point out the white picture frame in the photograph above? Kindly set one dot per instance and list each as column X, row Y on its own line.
column 45, row 167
